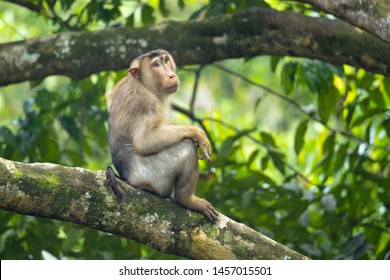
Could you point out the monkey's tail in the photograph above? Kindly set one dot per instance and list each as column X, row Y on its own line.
column 111, row 178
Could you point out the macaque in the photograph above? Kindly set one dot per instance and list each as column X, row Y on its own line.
column 147, row 152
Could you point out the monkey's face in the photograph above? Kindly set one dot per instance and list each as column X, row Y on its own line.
column 156, row 71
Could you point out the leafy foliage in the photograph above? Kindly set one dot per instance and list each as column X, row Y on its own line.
column 301, row 147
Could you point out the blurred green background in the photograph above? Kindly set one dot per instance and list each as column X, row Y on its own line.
column 301, row 147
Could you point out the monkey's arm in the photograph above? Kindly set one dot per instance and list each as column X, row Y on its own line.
column 151, row 139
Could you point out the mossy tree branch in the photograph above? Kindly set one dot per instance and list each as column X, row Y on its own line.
column 82, row 197
column 370, row 15
column 246, row 34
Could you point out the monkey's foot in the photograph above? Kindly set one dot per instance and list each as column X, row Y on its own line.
column 210, row 212
column 203, row 206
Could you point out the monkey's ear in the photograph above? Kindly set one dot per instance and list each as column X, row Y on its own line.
column 135, row 72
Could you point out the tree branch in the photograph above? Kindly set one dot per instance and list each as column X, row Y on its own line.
column 370, row 15
column 27, row 4
column 246, row 34
column 82, row 197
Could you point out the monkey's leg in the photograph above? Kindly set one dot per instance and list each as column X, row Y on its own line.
column 186, row 183
column 198, row 204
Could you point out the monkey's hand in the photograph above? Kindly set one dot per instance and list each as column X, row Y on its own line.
column 204, row 144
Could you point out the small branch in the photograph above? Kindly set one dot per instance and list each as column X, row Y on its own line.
column 302, row 110
column 194, row 91
column 51, row 13
column 82, row 197
column 27, row 4
column 13, row 28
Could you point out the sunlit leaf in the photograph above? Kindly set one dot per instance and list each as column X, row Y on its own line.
column 252, row 157
column 264, row 162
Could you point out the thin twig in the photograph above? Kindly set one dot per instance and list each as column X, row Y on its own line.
column 194, row 91
column 27, row 4
column 311, row 115
column 13, row 28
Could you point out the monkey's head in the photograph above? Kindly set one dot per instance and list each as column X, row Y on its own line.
column 156, row 71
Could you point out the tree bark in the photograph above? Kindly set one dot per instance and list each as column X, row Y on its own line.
column 82, row 197
column 246, row 34
column 370, row 15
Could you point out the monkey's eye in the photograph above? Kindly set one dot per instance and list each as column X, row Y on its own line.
column 166, row 60
column 156, row 64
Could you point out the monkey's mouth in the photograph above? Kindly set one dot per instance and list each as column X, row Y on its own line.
column 172, row 88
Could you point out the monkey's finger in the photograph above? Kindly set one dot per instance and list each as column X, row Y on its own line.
column 206, row 153
column 211, row 213
column 205, row 156
column 208, row 157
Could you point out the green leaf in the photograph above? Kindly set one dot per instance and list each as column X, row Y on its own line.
column 377, row 96
column 341, row 156
column 327, row 102
column 367, row 135
column 253, row 157
column 7, row 136
column 325, row 162
column 147, row 14
column 274, row 62
column 181, row 4
column 228, row 143
column 277, row 159
column 351, row 109
column 50, row 150
column 198, row 13
column 264, row 162
column 70, row 126
column 312, row 250
column 163, row 9
column 130, row 21
column 300, row 136
column 369, row 113
column 267, row 138
column 354, row 244
column 265, row 179
column 329, row 144
column 257, row 103
column 288, row 77
column 386, row 126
